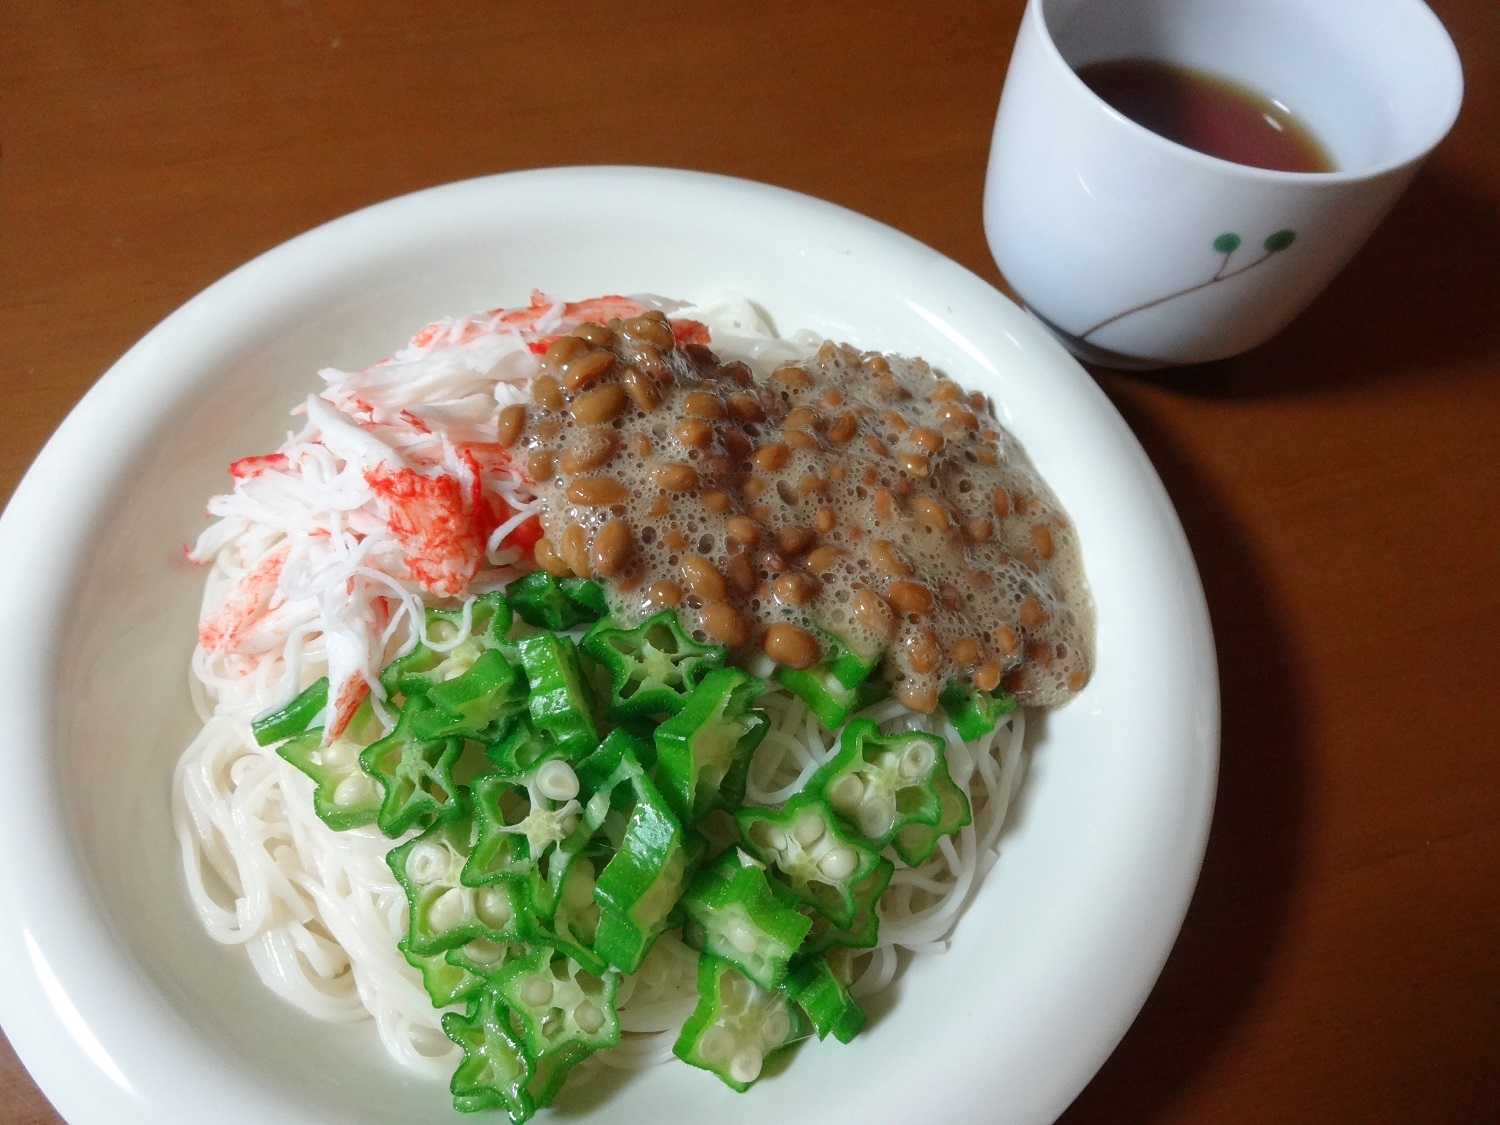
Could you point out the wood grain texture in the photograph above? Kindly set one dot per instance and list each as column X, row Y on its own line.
column 1341, row 960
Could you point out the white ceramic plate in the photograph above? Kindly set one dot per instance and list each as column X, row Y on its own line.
column 125, row 1011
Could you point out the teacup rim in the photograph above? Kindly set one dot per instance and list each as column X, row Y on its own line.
column 1035, row 11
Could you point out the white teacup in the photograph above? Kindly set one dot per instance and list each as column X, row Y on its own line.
column 1139, row 252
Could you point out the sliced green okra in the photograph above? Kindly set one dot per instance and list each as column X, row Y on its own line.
column 473, row 702
column 573, row 926
column 974, row 713
column 611, row 768
column 825, row 1000
column 587, row 595
column 704, row 751
column 447, row 982
column 654, row 667
column 540, row 829
column 916, row 843
column 831, row 688
column 527, row 830
column 424, row 667
column 515, row 746
column 560, row 701
column 880, row 783
column 736, row 1024
column 344, row 795
column 480, row 958
column 558, row 1002
column 734, row 914
column 415, row 774
column 864, row 931
column 496, row 1070
column 611, row 781
column 294, row 718
column 444, row 913
column 540, row 599
column 821, row 863
column 641, row 883
column 551, row 1070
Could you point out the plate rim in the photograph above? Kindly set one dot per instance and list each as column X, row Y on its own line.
column 43, row 1022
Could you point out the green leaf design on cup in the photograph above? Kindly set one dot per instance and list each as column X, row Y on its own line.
column 1226, row 244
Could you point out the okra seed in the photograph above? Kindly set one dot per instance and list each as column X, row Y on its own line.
column 427, row 862
column 839, row 863
column 745, row 1066
column 450, row 909
column 917, row 760
column 809, row 828
column 776, row 838
column 579, row 888
column 846, row 792
column 736, row 991
column 556, row 781
column 537, row 992
column 739, row 935
column 339, row 756
column 483, row 951
column 494, row 908
column 588, row 1017
column 356, row 789
column 876, row 816
column 776, row 1029
column 716, row 1044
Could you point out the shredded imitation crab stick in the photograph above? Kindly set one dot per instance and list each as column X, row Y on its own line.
column 395, row 490
column 247, row 602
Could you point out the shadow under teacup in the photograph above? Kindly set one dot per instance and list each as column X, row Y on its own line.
column 1139, row 252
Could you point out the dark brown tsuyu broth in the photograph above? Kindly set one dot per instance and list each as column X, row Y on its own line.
column 1208, row 113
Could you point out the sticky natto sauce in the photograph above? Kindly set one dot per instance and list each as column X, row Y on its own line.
column 854, row 495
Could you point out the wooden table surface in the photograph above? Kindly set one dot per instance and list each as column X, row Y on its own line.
column 1341, row 959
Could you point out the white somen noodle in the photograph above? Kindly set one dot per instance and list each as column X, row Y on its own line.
column 307, row 576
